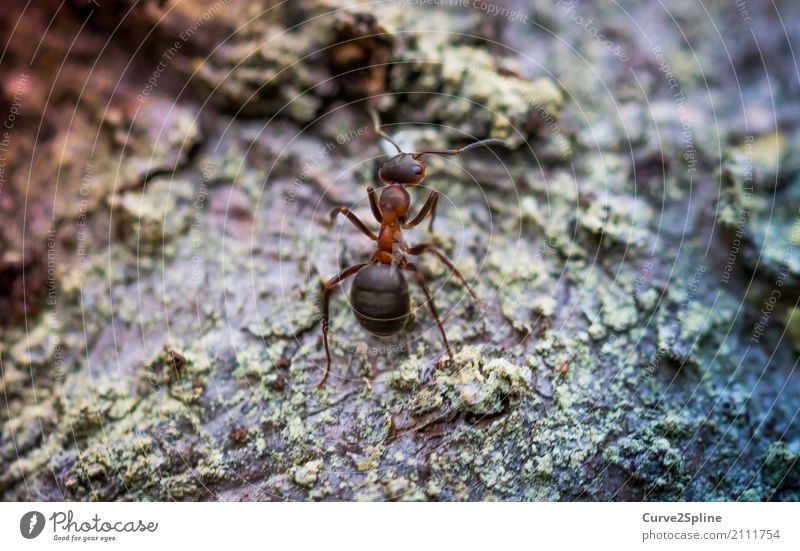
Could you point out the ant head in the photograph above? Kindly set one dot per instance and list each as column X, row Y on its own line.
column 404, row 168
column 408, row 169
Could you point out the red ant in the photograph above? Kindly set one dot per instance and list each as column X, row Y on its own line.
column 379, row 295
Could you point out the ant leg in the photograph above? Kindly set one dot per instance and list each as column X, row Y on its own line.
column 421, row 280
column 427, row 247
column 373, row 204
column 428, row 207
column 354, row 219
column 326, row 296
column 433, row 213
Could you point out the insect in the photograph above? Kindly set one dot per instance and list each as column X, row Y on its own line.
column 379, row 295
column 409, row 169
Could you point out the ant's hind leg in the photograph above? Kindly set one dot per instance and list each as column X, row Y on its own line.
column 421, row 280
column 326, row 296
column 427, row 247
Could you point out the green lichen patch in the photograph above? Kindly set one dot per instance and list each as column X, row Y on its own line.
column 481, row 385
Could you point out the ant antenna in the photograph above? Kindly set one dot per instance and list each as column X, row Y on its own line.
column 376, row 121
column 480, row 143
column 377, row 125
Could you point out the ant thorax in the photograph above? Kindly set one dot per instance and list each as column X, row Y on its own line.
column 394, row 203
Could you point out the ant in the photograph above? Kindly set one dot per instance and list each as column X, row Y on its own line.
column 379, row 295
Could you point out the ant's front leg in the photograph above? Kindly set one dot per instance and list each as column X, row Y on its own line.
column 326, row 296
column 354, row 219
column 373, row 204
column 428, row 207
column 421, row 281
column 427, row 247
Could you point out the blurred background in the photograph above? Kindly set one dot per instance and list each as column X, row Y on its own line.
column 166, row 172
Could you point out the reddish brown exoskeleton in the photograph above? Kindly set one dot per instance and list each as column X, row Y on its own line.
column 379, row 295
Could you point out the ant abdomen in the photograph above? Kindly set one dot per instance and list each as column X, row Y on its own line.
column 380, row 300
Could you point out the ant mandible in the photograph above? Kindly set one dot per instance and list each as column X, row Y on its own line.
column 379, row 295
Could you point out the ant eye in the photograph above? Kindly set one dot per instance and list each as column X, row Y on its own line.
column 417, row 170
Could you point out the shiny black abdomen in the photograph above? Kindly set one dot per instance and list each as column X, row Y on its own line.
column 379, row 298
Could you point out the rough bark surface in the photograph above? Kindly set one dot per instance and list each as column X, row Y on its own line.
column 167, row 184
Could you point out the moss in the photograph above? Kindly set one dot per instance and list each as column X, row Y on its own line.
column 471, row 74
